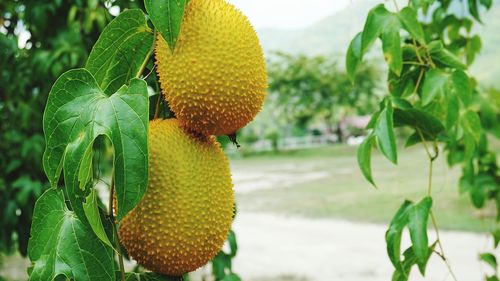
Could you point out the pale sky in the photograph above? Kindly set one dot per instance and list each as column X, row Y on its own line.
column 288, row 14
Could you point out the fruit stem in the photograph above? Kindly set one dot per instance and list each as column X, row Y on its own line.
column 148, row 56
column 115, row 232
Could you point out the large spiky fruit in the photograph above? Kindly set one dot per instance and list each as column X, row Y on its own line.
column 215, row 81
column 185, row 215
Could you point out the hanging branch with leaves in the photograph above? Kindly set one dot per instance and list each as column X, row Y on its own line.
column 428, row 47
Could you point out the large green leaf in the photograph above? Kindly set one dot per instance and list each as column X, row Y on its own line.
column 121, row 50
column 384, row 131
column 395, row 232
column 409, row 20
column 77, row 112
column 166, row 16
column 62, row 245
column 418, row 217
column 364, row 157
column 354, row 56
column 490, row 259
column 434, row 84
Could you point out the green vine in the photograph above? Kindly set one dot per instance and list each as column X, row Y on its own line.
column 431, row 93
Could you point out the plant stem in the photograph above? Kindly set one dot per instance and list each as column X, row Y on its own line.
column 396, row 5
column 115, row 232
column 157, row 106
column 441, row 248
column 429, row 193
column 150, row 52
column 419, row 80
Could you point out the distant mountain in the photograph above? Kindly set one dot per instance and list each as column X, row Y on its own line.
column 332, row 35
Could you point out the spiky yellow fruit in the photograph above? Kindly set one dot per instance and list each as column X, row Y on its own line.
column 215, row 81
column 185, row 215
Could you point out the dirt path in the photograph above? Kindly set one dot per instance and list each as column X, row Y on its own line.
column 331, row 250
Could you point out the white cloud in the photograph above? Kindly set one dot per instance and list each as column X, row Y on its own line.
column 288, row 14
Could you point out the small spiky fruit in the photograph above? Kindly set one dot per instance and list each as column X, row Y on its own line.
column 185, row 215
column 215, row 81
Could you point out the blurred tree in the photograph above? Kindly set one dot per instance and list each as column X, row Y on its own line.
column 38, row 41
column 305, row 89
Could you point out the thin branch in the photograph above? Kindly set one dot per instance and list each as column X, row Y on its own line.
column 429, row 193
column 115, row 232
column 157, row 110
column 441, row 248
column 419, row 80
column 415, row 63
column 396, row 5
column 416, row 51
column 148, row 56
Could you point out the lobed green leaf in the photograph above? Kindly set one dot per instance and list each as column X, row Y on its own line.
column 62, row 245
column 77, row 112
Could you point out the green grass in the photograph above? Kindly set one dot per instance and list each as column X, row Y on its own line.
column 345, row 194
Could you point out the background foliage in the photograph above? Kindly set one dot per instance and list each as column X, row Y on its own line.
column 61, row 36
